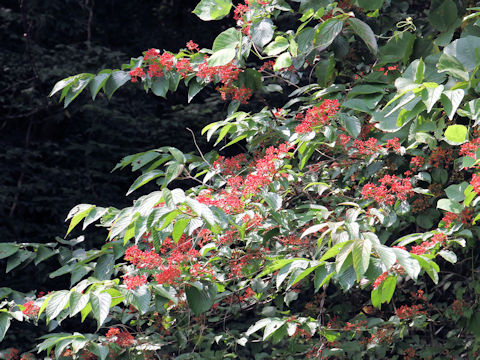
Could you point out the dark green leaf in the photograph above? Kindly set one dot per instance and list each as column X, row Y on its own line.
column 365, row 33
column 200, row 300
column 160, row 86
column 117, row 79
column 8, row 249
column 327, row 32
column 4, row 324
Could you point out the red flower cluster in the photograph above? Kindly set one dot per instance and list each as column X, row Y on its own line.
column 136, row 73
column 30, row 309
column 121, row 338
column 183, row 67
column 241, row 260
column 168, row 275
column 265, row 169
column 379, row 280
column 367, row 147
column 475, row 182
column 458, row 306
column 389, row 68
column 406, row 312
column 143, row 259
column 441, row 157
column 239, row 12
column 393, row 144
column 465, row 217
column 439, row 238
column 390, row 189
column 470, row 148
column 192, row 46
column 268, row 65
column 318, row 115
column 417, row 162
column 133, row 282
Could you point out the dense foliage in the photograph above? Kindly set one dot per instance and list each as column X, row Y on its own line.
column 345, row 230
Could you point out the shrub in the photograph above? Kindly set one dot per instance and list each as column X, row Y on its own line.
column 326, row 237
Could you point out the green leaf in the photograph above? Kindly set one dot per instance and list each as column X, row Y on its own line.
column 193, row 89
column 77, row 87
column 173, row 171
column 98, row 82
column 139, row 298
column 8, row 249
column 323, row 275
column 457, row 134
column 222, row 57
column 470, row 194
column 387, row 255
column 451, row 100
column 278, row 46
column 160, row 86
column 62, row 84
column 116, row 79
column 17, row 260
column 179, row 228
column 228, row 39
column 452, row 66
column 104, row 267
column 273, row 200
column 361, row 256
column 327, row 32
column 353, row 125
column 77, row 302
column 325, row 71
column 95, row 214
column 167, row 294
column 272, row 326
column 440, row 176
column 43, row 253
column 370, row 4
column 78, row 213
column 57, row 303
column 411, row 266
column 260, row 324
column 200, row 300
column 450, row 206
column 144, row 179
column 4, row 324
column 283, row 61
column 398, row 48
column 466, row 50
column 431, row 95
column 212, row 9
column 442, row 14
column 456, row 192
column 262, row 32
column 365, row 33
column 101, row 351
column 420, row 73
column 448, row 255
column 100, row 306
column 384, row 292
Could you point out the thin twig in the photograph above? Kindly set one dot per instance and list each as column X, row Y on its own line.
column 201, row 154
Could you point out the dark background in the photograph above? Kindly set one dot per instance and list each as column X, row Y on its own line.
column 54, row 158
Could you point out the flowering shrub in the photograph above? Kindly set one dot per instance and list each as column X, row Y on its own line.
column 327, row 236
